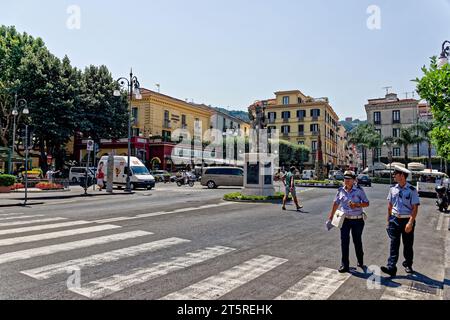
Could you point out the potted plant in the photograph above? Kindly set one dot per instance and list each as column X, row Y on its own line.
column 6, row 181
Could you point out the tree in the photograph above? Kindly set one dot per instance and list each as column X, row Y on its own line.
column 434, row 87
column 365, row 137
column 407, row 137
column 425, row 129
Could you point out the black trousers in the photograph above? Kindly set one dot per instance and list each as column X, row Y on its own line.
column 396, row 232
column 356, row 228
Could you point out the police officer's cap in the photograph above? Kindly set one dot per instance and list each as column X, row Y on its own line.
column 398, row 169
column 349, row 175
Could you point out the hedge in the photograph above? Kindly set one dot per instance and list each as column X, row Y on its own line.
column 7, row 180
column 240, row 196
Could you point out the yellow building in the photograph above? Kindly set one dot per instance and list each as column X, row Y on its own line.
column 300, row 119
column 159, row 115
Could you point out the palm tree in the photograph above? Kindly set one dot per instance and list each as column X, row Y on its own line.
column 408, row 136
column 425, row 129
column 364, row 136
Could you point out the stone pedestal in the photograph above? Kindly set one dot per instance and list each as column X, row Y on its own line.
column 258, row 175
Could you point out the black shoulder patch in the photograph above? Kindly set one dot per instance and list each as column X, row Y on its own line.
column 412, row 188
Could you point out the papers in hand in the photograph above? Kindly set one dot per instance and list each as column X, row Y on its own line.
column 329, row 225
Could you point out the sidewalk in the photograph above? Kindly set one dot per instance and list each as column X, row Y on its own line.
column 36, row 198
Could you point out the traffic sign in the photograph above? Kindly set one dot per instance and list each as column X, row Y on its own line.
column 90, row 145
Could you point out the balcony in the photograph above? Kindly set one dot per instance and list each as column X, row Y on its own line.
column 315, row 133
column 396, row 121
column 301, row 118
column 285, row 120
column 315, row 118
column 377, row 122
column 272, row 121
column 183, row 126
column 301, row 134
column 285, row 134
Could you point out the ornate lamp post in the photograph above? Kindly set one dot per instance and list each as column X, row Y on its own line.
column 133, row 87
column 443, row 59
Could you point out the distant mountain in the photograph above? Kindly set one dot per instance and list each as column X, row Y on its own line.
column 349, row 126
column 243, row 115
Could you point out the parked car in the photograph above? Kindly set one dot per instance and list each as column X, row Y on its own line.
column 223, row 176
column 77, row 173
column 308, row 174
column 338, row 176
column 364, row 180
column 332, row 174
column 161, row 175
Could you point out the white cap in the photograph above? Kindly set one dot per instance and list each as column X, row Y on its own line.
column 401, row 169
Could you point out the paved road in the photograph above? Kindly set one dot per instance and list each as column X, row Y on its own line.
column 186, row 243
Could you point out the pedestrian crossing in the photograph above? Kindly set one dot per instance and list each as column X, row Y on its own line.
column 318, row 284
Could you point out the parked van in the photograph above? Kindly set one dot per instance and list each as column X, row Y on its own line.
column 140, row 176
column 76, row 173
column 222, row 176
column 308, row 174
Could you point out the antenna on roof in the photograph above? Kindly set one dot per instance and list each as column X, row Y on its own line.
column 159, row 87
column 406, row 94
column 387, row 89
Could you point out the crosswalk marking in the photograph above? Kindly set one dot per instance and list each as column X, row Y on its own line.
column 319, row 285
column 9, row 214
column 21, row 217
column 20, row 223
column 54, row 235
column 43, row 227
column 98, row 259
column 217, row 286
column 161, row 213
column 106, row 286
column 68, row 246
column 407, row 293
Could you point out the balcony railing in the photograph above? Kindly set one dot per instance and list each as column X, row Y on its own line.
column 315, row 118
column 271, row 120
column 285, row 120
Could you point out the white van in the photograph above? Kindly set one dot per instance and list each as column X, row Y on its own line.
column 140, row 176
column 76, row 173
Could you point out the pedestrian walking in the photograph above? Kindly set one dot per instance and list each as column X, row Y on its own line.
column 403, row 206
column 289, row 185
column 100, row 177
column 351, row 198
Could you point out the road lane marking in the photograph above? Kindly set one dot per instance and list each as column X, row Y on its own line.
column 218, row 285
column 68, row 246
column 405, row 292
column 161, row 213
column 440, row 221
column 319, row 285
column 46, row 272
column 19, row 223
column 55, row 235
column 59, row 202
column 21, row 217
column 10, row 214
column 107, row 286
column 43, row 227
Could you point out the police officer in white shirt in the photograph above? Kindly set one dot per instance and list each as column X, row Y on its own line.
column 352, row 199
column 403, row 207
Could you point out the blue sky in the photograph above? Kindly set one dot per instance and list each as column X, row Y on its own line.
column 233, row 52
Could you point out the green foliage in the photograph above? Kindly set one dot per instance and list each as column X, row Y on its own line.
column 7, row 180
column 334, row 182
column 434, row 87
column 240, row 196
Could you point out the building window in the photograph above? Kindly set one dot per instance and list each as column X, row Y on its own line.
column 377, row 153
column 286, row 100
column 301, row 114
column 378, row 131
column 396, row 132
column 135, row 114
column 314, row 128
column 286, row 130
column 166, row 136
column 396, row 152
column 299, row 100
column 314, row 146
column 396, row 116
column 286, row 115
column 224, row 124
column 301, row 129
column 302, row 143
column 136, row 132
column 377, row 117
column 166, row 123
column 183, row 121
column 315, row 113
column 272, row 117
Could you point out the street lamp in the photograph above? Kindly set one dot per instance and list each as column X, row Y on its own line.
column 133, row 87
column 15, row 113
column 443, row 59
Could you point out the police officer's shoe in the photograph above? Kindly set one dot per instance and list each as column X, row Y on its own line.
column 408, row 269
column 344, row 269
column 361, row 265
column 389, row 271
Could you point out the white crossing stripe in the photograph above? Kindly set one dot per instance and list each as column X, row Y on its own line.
column 9, row 214
column 106, row 286
column 43, row 227
column 20, row 223
column 447, row 251
column 318, row 285
column 54, row 235
column 407, row 293
column 68, row 246
column 217, row 286
column 440, row 221
column 162, row 213
column 98, row 259
column 21, row 217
